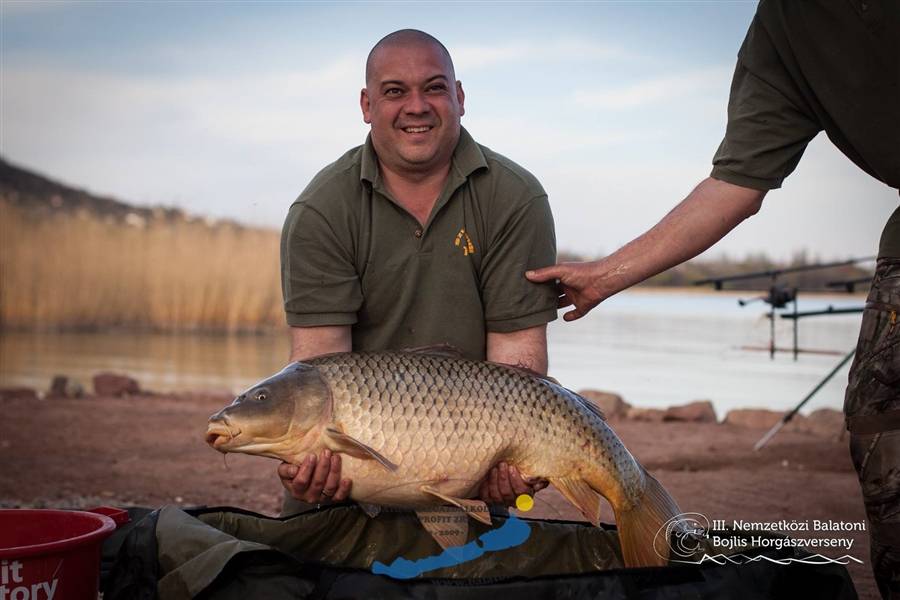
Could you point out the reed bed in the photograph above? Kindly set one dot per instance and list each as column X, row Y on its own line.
column 84, row 271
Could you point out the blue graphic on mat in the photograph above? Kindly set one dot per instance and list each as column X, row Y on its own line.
column 512, row 533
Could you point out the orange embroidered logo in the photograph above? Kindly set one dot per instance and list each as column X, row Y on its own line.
column 467, row 245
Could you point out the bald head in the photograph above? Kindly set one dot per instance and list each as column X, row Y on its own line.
column 405, row 38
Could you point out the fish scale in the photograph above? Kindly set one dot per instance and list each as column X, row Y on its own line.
column 420, row 428
column 519, row 418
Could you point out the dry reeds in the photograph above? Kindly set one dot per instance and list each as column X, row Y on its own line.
column 85, row 271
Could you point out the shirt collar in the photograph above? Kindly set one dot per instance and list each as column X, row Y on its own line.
column 467, row 158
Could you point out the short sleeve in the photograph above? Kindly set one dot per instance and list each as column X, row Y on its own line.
column 318, row 278
column 526, row 241
column 769, row 123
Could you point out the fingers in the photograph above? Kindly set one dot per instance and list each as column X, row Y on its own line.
column 519, row 486
column 484, row 492
column 494, row 486
column 536, row 484
column 320, row 476
column 332, row 479
column 343, row 491
column 317, row 480
column 505, row 486
column 574, row 314
column 296, row 479
column 563, row 301
column 489, row 491
column 287, row 471
column 545, row 274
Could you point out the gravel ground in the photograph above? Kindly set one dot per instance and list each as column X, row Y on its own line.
column 150, row 451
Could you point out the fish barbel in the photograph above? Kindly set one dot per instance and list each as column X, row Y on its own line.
column 423, row 428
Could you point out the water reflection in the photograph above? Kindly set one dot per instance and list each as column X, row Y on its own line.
column 655, row 349
column 159, row 362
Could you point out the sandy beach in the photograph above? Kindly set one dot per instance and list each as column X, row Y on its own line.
column 149, row 450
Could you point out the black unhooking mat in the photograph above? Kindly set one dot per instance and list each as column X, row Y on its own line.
column 227, row 553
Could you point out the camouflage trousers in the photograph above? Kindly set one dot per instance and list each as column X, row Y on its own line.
column 872, row 407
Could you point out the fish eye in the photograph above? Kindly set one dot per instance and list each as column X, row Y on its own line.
column 261, row 396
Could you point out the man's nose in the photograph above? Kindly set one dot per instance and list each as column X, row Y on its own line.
column 416, row 103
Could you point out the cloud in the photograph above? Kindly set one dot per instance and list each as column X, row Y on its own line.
column 236, row 145
column 655, row 91
column 469, row 58
column 19, row 7
column 260, row 107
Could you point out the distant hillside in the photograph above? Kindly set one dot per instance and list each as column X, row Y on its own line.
column 71, row 260
column 36, row 194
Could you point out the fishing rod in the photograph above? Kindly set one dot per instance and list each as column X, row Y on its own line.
column 773, row 273
column 790, row 414
column 779, row 296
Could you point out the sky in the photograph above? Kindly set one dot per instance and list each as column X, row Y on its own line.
column 228, row 109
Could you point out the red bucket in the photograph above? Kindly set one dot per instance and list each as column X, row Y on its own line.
column 52, row 554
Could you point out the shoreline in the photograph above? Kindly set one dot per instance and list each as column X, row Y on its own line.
column 149, row 450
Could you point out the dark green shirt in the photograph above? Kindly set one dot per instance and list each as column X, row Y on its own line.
column 351, row 255
column 809, row 66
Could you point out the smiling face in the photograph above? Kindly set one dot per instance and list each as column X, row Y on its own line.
column 414, row 105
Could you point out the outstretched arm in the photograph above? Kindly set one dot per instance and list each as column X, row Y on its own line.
column 708, row 213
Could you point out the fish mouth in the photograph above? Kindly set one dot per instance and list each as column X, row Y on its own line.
column 219, row 436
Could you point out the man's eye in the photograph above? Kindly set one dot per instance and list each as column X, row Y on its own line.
column 393, row 92
column 439, row 87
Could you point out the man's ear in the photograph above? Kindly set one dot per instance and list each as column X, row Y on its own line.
column 365, row 105
column 461, row 97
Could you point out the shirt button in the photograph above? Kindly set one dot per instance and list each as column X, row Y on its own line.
column 418, row 233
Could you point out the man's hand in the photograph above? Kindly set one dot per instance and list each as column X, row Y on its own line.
column 708, row 213
column 317, row 480
column 504, row 484
column 579, row 284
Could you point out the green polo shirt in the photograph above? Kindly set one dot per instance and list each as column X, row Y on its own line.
column 804, row 67
column 351, row 255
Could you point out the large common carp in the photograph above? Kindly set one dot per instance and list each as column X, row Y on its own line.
column 422, row 428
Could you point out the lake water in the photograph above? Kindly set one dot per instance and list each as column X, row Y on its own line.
column 656, row 348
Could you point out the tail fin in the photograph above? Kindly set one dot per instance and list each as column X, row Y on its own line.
column 639, row 527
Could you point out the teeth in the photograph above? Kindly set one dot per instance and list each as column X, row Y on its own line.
column 416, row 129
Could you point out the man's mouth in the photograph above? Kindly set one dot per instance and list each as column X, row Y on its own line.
column 421, row 129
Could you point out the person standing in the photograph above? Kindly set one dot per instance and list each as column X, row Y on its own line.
column 804, row 67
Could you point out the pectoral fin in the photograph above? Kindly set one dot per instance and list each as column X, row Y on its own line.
column 448, row 526
column 581, row 495
column 476, row 509
column 348, row 445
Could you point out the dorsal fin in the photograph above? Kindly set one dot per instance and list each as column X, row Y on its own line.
column 437, row 350
column 589, row 405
